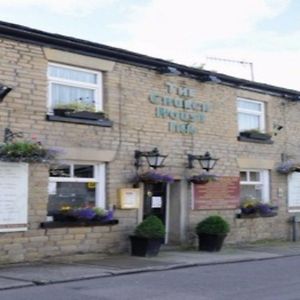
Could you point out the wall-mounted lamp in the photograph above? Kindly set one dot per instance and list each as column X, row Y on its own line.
column 169, row 71
column 4, row 90
column 277, row 128
column 211, row 78
column 154, row 158
column 206, row 161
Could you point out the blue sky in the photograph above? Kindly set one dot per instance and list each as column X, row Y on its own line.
column 193, row 32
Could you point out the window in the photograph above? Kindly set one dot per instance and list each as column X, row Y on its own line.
column 76, row 185
column 251, row 115
column 74, row 85
column 254, row 184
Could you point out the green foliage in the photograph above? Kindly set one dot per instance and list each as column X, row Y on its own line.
column 151, row 227
column 100, row 211
column 25, row 151
column 77, row 106
column 213, row 225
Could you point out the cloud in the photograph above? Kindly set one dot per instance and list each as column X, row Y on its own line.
column 192, row 22
column 188, row 31
column 62, row 7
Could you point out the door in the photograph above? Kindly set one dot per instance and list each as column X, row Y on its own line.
column 155, row 198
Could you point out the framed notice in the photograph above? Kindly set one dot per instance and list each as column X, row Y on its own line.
column 129, row 198
column 13, row 196
column 294, row 191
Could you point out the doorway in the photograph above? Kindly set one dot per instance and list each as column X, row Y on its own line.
column 155, row 200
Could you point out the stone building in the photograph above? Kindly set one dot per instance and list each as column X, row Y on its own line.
column 146, row 103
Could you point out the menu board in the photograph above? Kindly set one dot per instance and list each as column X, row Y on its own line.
column 221, row 194
column 294, row 190
column 13, row 196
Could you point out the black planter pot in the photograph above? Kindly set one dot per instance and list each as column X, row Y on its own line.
column 87, row 115
column 256, row 135
column 62, row 112
column 145, row 247
column 210, row 242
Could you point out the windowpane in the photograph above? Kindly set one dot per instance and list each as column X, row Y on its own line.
column 59, row 171
column 73, row 194
column 251, row 192
column 249, row 105
column 247, row 121
column 84, row 171
column 243, row 176
column 63, row 94
column 71, row 74
column 254, row 176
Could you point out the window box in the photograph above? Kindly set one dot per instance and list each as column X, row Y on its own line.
column 78, row 223
column 67, row 119
column 88, row 115
column 255, row 135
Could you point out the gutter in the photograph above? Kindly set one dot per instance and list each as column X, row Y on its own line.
column 61, row 42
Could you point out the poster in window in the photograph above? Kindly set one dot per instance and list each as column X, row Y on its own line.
column 156, row 202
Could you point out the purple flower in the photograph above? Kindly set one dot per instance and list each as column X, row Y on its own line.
column 152, row 176
column 85, row 213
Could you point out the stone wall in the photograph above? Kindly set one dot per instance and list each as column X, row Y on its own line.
column 126, row 102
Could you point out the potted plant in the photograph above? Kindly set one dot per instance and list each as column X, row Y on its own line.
column 202, row 178
column 211, row 233
column 148, row 237
column 154, row 177
column 78, row 109
column 288, row 166
column 26, row 151
column 256, row 134
column 253, row 208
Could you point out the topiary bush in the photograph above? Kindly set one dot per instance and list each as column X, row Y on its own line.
column 213, row 225
column 152, row 228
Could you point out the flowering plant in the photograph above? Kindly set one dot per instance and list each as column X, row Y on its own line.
column 155, row 177
column 287, row 166
column 254, row 207
column 25, row 151
column 67, row 213
column 203, row 178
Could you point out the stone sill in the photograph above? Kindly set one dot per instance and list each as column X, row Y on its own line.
column 250, row 140
column 100, row 122
column 60, row 224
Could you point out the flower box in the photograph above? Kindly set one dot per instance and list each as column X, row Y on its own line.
column 255, row 135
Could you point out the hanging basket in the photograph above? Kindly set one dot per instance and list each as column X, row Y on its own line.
column 202, row 178
column 154, row 177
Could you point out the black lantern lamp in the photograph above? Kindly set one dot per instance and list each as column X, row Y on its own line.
column 154, row 158
column 4, row 90
column 206, row 161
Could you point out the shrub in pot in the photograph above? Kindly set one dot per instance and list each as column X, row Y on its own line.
column 148, row 237
column 211, row 233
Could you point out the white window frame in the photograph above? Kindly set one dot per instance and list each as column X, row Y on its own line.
column 264, row 182
column 99, row 179
column 260, row 114
column 97, row 87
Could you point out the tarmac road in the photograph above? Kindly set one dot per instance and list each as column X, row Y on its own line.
column 271, row 279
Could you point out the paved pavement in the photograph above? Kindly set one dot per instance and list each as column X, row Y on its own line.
column 79, row 267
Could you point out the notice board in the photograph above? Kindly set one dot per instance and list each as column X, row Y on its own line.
column 224, row 193
column 13, row 196
column 294, row 190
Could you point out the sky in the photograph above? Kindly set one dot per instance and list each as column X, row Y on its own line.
column 233, row 37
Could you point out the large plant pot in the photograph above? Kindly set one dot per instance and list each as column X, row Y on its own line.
column 145, row 247
column 210, row 242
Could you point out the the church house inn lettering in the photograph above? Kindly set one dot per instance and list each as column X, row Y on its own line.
column 188, row 110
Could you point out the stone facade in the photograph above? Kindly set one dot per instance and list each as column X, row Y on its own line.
column 137, row 125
